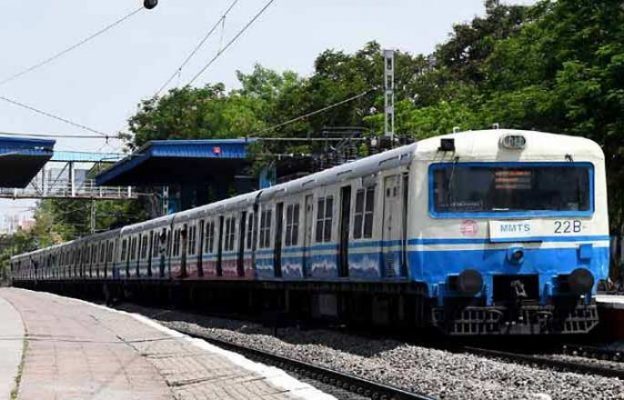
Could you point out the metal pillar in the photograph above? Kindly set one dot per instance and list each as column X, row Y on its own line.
column 389, row 94
column 72, row 179
column 165, row 199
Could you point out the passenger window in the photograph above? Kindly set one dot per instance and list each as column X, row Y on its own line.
column 155, row 244
column 230, row 233
column 324, row 217
column 144, row 247
column 209, row 239
column 265, row 229
column 364, row 211
column 176, row 242
column 250, row 228
column 292, row 225
column 124, row 249
column 191, row 240
column 110, row 252
column 133, row 249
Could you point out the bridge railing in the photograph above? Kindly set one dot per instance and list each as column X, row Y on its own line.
column 63, row 188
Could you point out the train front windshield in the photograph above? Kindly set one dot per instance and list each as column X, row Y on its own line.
column 479, row 188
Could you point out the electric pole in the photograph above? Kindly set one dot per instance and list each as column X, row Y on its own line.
column 389, row 95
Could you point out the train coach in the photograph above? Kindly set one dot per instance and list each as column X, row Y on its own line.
column 474, row 233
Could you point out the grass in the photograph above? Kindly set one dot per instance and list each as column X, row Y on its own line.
column 20, row 370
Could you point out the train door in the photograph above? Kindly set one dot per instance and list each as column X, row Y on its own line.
column 307, row 232
column 344, row 228
column 392, row 226
column 220, row 248
column 277, row 250
column 404, row 213
column 200, row 251
column 240, row 266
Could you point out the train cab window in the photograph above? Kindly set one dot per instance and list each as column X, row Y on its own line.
column 490, row 187
column 363, row 215
column 292, row 225
column 250, row 228
column 265, row 228
column 209, row 237
column 325, row 211
column 144, row 247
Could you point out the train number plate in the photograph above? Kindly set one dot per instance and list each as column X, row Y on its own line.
column 504, row 231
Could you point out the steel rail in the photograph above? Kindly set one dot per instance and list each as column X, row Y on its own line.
column 594, row 352
column 348, row 382
column 546, row 362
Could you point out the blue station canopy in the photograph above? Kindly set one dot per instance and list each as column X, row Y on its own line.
column 169, row 162
column 22, row 158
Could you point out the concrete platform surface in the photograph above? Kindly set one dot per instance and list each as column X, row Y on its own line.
column 610, row 301
column 78, row 350
column 11, row 343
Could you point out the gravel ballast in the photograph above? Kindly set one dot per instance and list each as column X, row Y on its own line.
column 434, row 372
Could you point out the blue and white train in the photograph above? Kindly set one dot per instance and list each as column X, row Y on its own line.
column 475, row 233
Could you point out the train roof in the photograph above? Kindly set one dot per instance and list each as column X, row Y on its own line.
column 539, row 146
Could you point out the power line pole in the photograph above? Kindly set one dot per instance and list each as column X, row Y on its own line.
column 389, row 95
column 92, row 216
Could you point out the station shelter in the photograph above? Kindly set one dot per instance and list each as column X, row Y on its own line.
column 22, row 158
column 190, row 172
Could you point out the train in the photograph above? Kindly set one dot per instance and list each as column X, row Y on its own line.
column 490, row 232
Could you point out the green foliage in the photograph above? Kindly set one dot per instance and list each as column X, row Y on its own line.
column 59, row 220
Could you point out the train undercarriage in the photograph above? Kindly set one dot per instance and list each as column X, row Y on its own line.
column 403, row 306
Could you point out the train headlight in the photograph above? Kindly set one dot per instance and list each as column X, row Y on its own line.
column 470, row 282
column 580, row 281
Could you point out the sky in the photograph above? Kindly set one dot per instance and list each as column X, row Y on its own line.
column 100, row 84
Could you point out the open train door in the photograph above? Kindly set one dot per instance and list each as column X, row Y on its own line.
column 393, row 225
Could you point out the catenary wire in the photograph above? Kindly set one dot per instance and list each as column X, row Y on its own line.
column 57, row 135
column 70, row 48
column 319, row 111
column 231, row 42
column 56, row 117
column 198, row 46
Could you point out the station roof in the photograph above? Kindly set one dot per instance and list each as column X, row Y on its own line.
column 22, row 158
column 167, row 162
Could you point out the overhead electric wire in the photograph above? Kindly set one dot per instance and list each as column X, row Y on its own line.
column 57, row 135
column 231, row 42
column 198, row 46
column 56, row 117
column 319, row 111
column 70, row 48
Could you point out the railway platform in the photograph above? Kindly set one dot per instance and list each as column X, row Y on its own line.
column 77, row 350
column 611, row 310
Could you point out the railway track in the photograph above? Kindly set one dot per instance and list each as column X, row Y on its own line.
column 348, row 382
column 595, row 352
column 546, row 362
